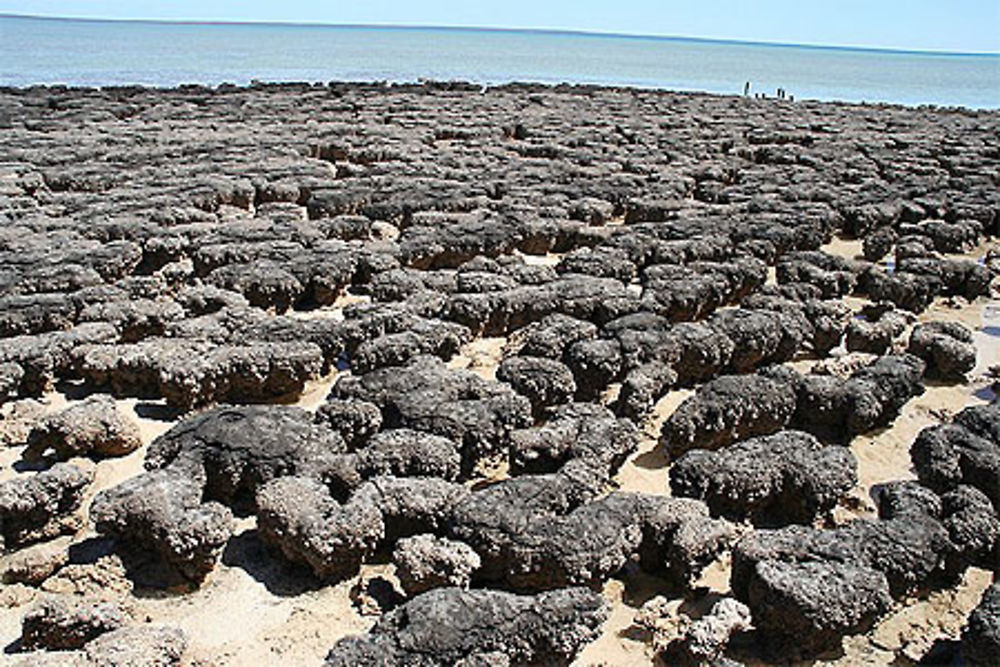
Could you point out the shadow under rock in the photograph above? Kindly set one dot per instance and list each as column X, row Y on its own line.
column 31, row 465
column 279, row 576
column 151, row 577
column 988, row 394
column 156, row 412
column 942, row 652
column 75, row 390
column 655, row 459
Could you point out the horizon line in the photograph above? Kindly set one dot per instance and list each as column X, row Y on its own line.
column 473, row 28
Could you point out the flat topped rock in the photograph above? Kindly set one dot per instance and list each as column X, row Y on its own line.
column 94, row 427
column 446, row 626
column 786, row 477
column 241, row 448
column 426, row 395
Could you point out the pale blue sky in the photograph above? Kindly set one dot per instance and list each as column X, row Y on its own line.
column 943, row 25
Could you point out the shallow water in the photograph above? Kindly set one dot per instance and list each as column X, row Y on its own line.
column 98, row 53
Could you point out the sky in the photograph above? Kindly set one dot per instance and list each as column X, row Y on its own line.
column 932, row 25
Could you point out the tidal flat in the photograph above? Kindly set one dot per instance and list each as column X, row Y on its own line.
column 442, row 374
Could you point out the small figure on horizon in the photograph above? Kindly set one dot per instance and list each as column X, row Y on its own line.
column 746, row 89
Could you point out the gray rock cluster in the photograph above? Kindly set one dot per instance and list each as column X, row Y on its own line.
column 787, row 477
column 625, row 243
column 451, row 626
column 807, row 587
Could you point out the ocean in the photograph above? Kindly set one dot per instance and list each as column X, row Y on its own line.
column 98, row 53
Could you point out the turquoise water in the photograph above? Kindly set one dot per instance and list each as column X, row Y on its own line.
column 95, row 53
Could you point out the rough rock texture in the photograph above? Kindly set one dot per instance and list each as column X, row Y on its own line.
column 538, row 532
column 403, row 452
column 61, row 624
column 836, row 409
column 788, row 477
column 727, row 409
column 811, row 605
column 834, row 276
column 706, row 638
column 190, row 374
column 355, row 421
column 806, row 587
column 130, row 646
column 42, row 506
column 545, row 382
column 447, row 626
column 163, row 512
column 138, row 646
column 300, row 517
column 11, row 375
column 180, row 246
column 878, row 331
column 240, row 448
column 424, row 562
column 576, row 431
column 967, row 451
column 946, row 347
column 973, row 526
column 760, row 337
column 425, row 395
column 33, row 565
column 981, row 637
column 94, row 427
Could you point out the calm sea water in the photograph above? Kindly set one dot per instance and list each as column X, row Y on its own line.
column 94, row 53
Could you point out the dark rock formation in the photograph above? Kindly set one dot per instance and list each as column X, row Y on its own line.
column 94, row 427
column 832, row 408
column 627, row 243
column 877, row 332
column 834, row 276
column 355, row 421
column 539, row 532
column 449, row 626
column 425, row 395
column 760, row 337
column 41, row 506
column 406, row 453
column 59, row 624
column 162, row 512
column 807, row 587
column 544, row 382
column 727, row 409
column 189, row 374
column 424, row 562
column 981, row 636
column 300, row 517
column 811, row 605
column 967, row 451
column 788, row 477
column 238, row 449
column 576, row 431
column 946, row 347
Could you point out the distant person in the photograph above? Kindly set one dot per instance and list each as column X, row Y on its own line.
column 746, row 89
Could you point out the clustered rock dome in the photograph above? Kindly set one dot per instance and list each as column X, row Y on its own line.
column 484, row 354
